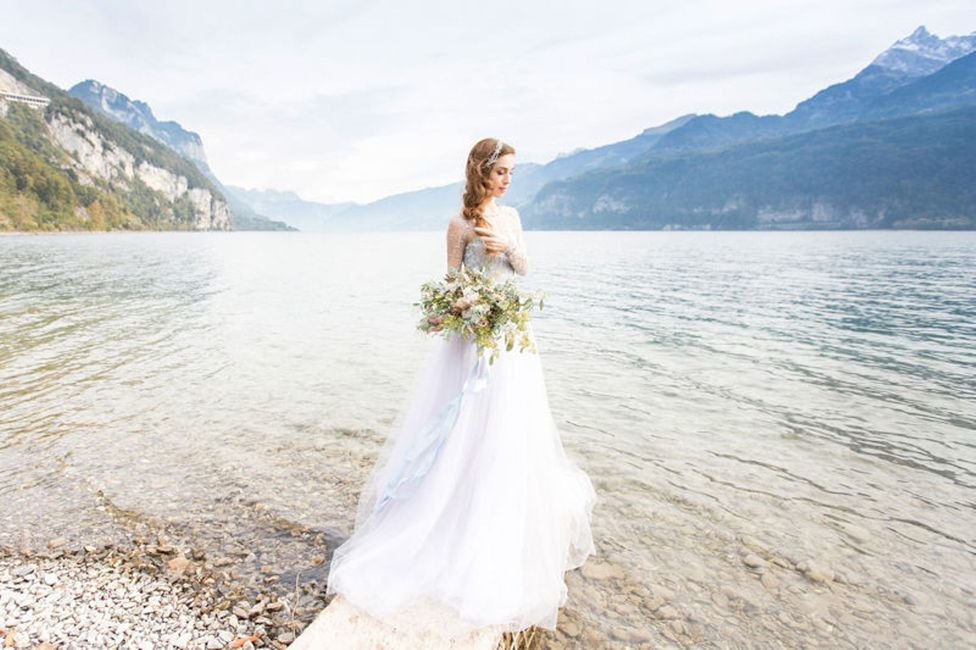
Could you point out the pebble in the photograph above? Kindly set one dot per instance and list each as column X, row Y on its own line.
column 24, row 569
column 601, row 571
column 815, row 572
column 570, row 629
column 753, row 544
column 178, row 564
column 113, row 600
column 696, row 573
column 753, row 560
column 654, row 602
column 642, row 635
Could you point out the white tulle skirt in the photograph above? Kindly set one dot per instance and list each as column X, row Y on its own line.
column 473, row 508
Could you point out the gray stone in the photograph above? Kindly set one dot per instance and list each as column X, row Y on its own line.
column 753, row 560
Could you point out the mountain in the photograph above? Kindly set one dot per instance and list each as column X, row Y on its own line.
column 906, row 61
column 710, row 132
column 290, row 208
column 907, row 172
column 139, row 116
column 64, row 166
column 922, row 53
column 426, row 209
column 600, row 187
column 532, row 177
column 430, row 208
column 890, row 148
column 917, row 55
column 920, row 72
column 951, row 86
column 245, row 217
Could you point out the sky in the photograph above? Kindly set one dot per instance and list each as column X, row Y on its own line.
column 356, row 100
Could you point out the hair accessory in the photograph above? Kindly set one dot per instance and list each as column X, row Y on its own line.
column 494, row 155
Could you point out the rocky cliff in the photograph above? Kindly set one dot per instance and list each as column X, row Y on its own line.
column 139, row 116
column 63, row 166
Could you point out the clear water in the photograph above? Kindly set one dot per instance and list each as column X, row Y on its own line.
column 803, row 397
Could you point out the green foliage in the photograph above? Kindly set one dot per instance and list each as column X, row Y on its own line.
column 36, row 193
column 141, row 146
column 471, row 303
column 33, row 194
column 20, row 73
column 39, row 189
column 249, row 220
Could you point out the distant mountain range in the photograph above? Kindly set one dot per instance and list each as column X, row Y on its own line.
column 706, row 171
column 908, row 172
column 892, row 147
column 139, row 116
column 64, row 166
column 428, row 209
column 889, row 148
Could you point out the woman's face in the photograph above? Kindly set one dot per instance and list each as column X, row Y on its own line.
column 501, row 174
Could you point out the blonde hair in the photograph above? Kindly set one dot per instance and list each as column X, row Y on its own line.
column 477, row 184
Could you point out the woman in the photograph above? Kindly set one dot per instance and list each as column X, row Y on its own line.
column 459, row 541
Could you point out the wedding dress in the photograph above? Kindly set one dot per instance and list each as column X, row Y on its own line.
column 473, row 512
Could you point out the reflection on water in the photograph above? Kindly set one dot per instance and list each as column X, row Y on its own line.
column 780, row 426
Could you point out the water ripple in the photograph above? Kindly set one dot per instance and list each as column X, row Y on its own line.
column 814, row 390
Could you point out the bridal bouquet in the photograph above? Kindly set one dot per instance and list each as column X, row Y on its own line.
column 472, row 303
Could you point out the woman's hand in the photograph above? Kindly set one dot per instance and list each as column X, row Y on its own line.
column 493, row 244
column 436, row 322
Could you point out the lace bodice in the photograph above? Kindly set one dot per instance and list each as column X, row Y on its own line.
column 465, row 245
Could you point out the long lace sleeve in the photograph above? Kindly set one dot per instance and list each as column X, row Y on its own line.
column 517, row 256
column 455, row 244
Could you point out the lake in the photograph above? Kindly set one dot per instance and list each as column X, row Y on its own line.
column 780, row 426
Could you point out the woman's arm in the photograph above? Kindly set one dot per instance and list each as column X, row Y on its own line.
column 517, row 256
column 455, row 243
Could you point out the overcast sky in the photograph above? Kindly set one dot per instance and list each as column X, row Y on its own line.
column 357, row 99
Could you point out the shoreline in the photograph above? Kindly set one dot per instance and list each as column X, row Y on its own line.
column 29, row 233
column 144, row 595
column 154, row 595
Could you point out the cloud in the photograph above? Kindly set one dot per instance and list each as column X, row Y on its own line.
column 354, row 100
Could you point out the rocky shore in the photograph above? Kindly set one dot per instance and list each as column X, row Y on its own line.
column 147, row 596
column 150, row 596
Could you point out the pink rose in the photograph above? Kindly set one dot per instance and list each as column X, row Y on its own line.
column 460, row 305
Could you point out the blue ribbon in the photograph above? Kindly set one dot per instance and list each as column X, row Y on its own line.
column 424, row 451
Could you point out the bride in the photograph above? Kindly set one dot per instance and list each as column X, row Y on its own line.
column 472, row 512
